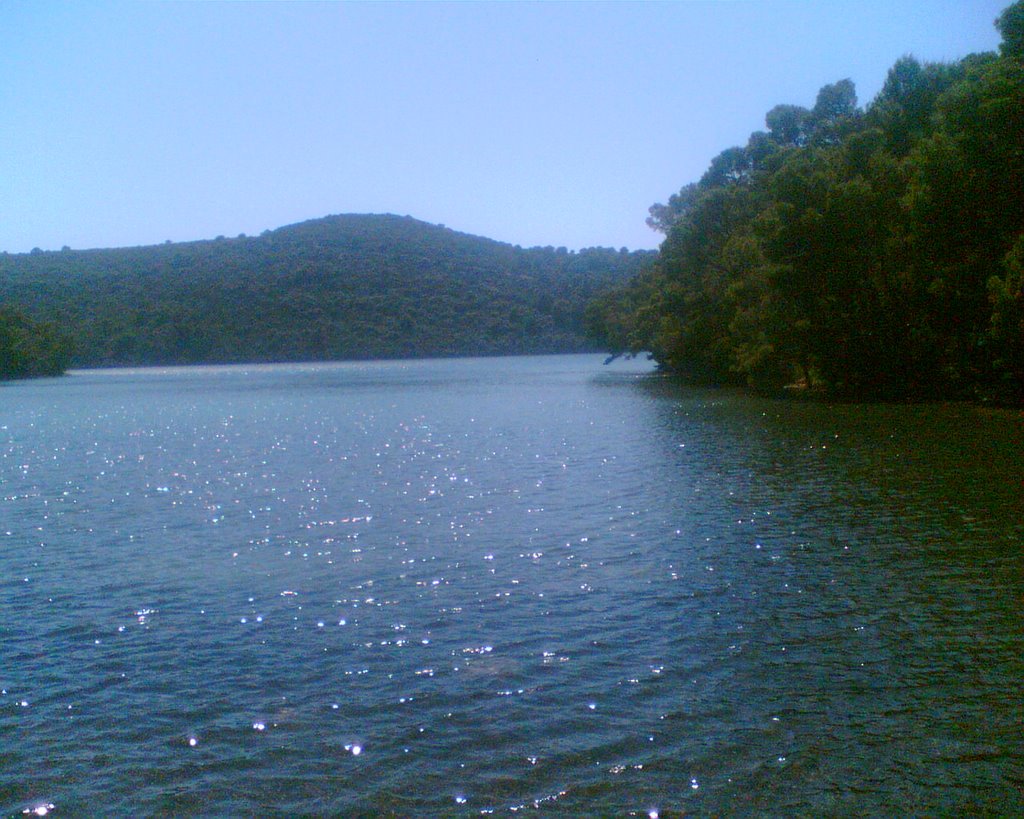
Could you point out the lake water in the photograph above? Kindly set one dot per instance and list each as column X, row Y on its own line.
column 502, row 586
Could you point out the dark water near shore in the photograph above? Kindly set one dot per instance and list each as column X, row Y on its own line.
column 503, row 586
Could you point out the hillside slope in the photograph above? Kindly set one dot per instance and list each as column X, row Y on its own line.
column 341, row 287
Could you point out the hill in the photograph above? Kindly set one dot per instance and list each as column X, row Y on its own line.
column 341, row 287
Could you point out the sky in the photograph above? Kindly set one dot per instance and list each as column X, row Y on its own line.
column 531, row 123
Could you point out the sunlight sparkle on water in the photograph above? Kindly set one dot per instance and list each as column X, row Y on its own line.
column 485, row 623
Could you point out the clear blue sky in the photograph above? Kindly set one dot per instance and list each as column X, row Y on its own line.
column 536, row 124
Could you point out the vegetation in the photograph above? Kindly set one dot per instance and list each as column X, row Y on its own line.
column 873, row 252
column 342, row 287
column 28, row 349
column 870, row 252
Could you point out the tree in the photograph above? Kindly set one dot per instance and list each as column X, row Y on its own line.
column 1011, row 26
column 834, row 113
column 788, row 125
column 1006, row 326
column 876, row 254
column 966, row 199
column 28, row 349
column 905, row 107
column 662, row 217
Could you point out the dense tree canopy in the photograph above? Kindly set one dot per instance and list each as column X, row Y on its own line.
column 875, row 252
column 356, row 286
column 29, row 349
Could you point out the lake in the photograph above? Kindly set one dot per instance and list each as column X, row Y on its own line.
column 498, row 586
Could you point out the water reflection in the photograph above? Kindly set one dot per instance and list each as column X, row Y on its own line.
column 867, row 570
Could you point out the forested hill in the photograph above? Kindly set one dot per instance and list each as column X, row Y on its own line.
column 341, row 287
column 872, row 252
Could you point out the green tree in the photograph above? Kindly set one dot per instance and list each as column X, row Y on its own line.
column 1006, row 327
column 28, row 349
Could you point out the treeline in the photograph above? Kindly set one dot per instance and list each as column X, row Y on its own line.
column 342, row 287
column 29, row 349
column 873, row 252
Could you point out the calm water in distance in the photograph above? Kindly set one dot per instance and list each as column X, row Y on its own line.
column 500, row 586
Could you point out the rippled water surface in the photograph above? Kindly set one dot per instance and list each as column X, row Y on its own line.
column 502, row 586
